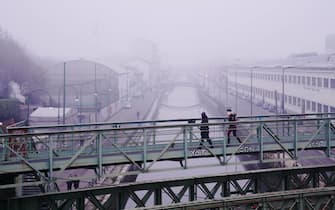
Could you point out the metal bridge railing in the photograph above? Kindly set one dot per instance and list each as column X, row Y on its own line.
column 293, row 188
column 142, row 144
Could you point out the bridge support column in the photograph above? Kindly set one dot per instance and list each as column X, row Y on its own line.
column 18, row 180
column 158, row 196
column 225, row 189
column 192, row 192
column 80, row 202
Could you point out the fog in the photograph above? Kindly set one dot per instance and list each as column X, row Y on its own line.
column 185, row 32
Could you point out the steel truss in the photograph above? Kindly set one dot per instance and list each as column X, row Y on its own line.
column 320, row 198
column 44, row 150
column 236, row 187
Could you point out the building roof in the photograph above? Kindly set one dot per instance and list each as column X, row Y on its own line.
column 49, row 112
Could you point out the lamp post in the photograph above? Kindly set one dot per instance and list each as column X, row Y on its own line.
column 236, row 92
column 227, row 86
column 77, row 99
column 95, row 93
column 64, row 96
column 251, row 90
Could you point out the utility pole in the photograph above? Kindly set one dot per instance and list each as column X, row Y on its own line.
column 251, row 91
column 64, row 92
column 95, row 92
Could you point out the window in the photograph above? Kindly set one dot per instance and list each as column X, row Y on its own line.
column 289, row 79
column 290, row 99
column 332, row 83
column 294, row 79
column 325, row 108
column 298, row 101
column 313, row 81
column 319, row 107
column 319, row 82
column 285, row 98
column 303, row 80
column 325, row 83
column 308, row 80
column 285, row 78
column 313, row 106
column 308, row 105
column 298, row 79
column 332, row 109
column 294, row 100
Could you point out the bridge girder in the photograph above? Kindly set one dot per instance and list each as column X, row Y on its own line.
column 297, row 187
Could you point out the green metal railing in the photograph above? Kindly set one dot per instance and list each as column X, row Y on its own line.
column 293, row 188
column 56, row 148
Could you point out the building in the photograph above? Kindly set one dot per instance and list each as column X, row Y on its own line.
column 52, row 116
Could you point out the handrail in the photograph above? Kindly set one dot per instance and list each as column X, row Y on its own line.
column 164, row 121
column 136, row 127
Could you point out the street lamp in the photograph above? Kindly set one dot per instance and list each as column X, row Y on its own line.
column 251, row 89
column 77, row 99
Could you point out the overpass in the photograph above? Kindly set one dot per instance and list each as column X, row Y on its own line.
column 45, row 150
column 293, row 188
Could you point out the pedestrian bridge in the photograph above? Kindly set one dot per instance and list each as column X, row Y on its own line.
column 45, row 150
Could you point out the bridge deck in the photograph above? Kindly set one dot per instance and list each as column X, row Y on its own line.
column 57, row 148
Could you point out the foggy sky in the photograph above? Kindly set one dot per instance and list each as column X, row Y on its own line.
column 185, row 31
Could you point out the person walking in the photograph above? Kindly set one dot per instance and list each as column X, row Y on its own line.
column 232, row 128
column 204, row 131
column 76, row 182
column 69, row 183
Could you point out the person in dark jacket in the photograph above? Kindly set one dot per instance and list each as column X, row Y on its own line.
column 204, row 130
column 232, row 127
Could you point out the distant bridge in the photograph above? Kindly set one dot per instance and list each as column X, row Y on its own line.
column 46, row 149
column 292, row 188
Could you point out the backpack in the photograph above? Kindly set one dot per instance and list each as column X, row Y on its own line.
column 232, row 117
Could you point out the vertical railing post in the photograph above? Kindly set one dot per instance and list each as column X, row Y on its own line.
column 288, row 126
column 114, row 134
column 144, row 149
column 260, row 141
column 51, row 176
column 190, row 134
column 99, row 147
column 185, row 146
column 295, row 140
column 224, row 147
column 327, row 137
column 154, row 134
column 5, row 141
